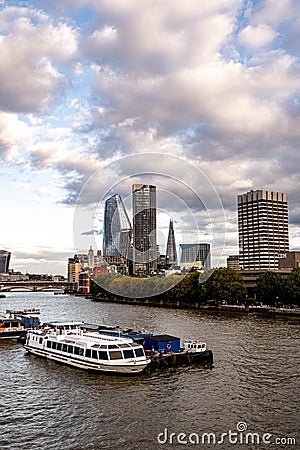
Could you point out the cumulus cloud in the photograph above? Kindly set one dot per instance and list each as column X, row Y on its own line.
column 30, row 47
column 216, row 83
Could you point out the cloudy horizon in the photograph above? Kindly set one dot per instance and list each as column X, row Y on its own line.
column 85, row 83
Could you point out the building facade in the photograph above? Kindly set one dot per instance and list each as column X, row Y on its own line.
column 233, row 262
column 4, row 261
column 289, row 260
column 171, row 253
column 117, row 230
column 263, row 229
column 195, row 255
column 74, row 269
column 144, row 229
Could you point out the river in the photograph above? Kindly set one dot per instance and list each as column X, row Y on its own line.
column 250, row 393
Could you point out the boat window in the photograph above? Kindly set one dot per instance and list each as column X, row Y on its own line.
column 115, row 355
column 134, row 344
column 48, row 344
column 54, row 345
column 103, row 355
column 76, row 350
column 14, row 323
column 95, row 345
column 103, row 346
column 139, row 352
column 94, row 354
column 81, row 351
column 124, row 345
column 88, row 353
column 128, row 354
column 70, row 348
column 58, row 346
column 41, row 340
column 64, row 348
column 113, row 346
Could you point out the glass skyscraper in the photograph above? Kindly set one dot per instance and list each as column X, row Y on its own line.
column 4, row 261
column 117, row 229
column 171, row 252
column 144, row 229
column 263, row 229
column 192, row 255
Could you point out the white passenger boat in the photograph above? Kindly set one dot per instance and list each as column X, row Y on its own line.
column 90, row 351
column 194, row 346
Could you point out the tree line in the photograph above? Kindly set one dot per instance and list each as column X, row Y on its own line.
column 216, row 286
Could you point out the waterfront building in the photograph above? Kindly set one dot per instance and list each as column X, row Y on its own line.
column 117, row 230
column 195, row 256
column 233, row 262
column 4, row 261
column 263, row 229
column 144, row 229
column 84, row 282
column 171, row 253
column 289, row 260
column 74, row 269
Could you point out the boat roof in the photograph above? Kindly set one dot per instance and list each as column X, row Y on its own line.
column 163, row 337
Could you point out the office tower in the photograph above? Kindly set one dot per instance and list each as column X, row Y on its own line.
column 194, row 255
column 263, row 229
column 117, row 228
column 171, row 252
column 144, row 229
column 74, row 269
column 4, row 261
column 233, row 262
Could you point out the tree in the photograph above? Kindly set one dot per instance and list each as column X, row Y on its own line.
column 292, row 288
column 270, row 288
column 225, row 284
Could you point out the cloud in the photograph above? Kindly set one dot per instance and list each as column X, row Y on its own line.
column 256, row 37
column 32, row 49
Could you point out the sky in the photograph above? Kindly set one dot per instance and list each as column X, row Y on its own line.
column 90, row 90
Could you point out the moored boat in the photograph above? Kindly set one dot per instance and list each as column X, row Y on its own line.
column 89, row 350
column 13, row 323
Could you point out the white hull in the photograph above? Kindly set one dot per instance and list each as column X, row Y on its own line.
column 36, row 344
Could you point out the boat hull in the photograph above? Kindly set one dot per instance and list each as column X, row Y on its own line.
column 15, row 334
column 128, row 369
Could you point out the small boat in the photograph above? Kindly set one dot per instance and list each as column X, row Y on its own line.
column 13, row 323
column 194, row 346
column 87, row 350
column 11, row 327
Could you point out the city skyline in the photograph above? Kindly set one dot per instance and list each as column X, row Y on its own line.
column 94, row 82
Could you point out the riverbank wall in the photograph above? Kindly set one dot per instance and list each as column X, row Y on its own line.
column 244, row 309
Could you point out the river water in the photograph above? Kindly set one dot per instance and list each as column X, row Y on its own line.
column 253, row 384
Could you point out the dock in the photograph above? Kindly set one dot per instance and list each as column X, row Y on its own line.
column 180, row 359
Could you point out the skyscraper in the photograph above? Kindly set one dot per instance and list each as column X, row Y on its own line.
column 263, row 229
column 171, row 252
column 117, row 228
column 4, row 261
column 144, row 229
column 195, row 255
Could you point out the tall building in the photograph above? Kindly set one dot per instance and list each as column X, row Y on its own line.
column 117, row 230
column 91, row 258
column 171, row 253
column 263, row 229
column 233, row 262
column 144, row 229
column 4, row 261
column 74, row 269
column 195, row 255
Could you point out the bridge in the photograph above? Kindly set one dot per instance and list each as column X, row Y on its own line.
column 34, row 286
